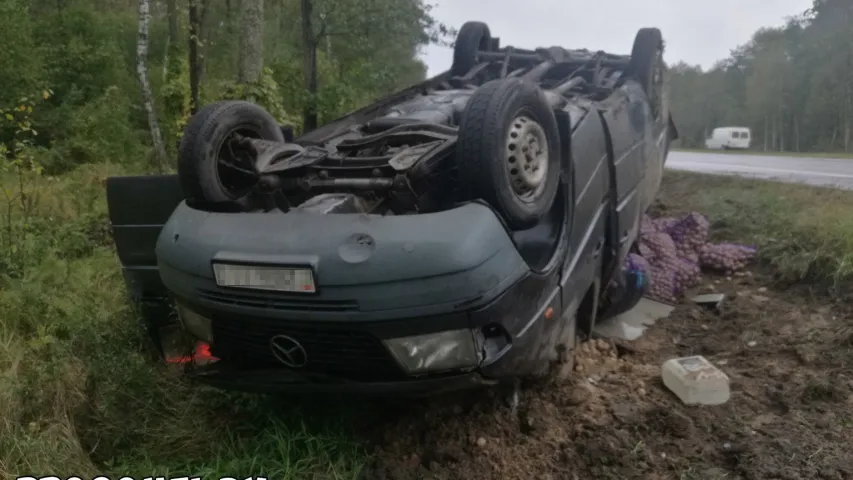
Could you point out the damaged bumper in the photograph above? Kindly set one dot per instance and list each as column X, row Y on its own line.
column 426, row 304
column 460, row 350
column 279, row 381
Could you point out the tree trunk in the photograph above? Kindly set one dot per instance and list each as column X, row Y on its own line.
column 251, row 41
column 166, row 59
column 774, row 143
column 847, row 120
column 194, row 60
column 765, row 133
column 309, row 68
column 172, row 39
column 147, row 98
column 172, row 12
column 796, row 134
column 204, row 37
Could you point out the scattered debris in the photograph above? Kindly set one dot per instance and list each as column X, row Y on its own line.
column 712, row 301
column 695, row 381
column 631, row 324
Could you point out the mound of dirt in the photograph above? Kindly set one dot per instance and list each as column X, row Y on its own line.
column 789, row 416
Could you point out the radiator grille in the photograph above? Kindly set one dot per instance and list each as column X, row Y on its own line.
column 332, row 350
column 277, row 301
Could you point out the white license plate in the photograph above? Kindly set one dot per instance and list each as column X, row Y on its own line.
column 261, row 277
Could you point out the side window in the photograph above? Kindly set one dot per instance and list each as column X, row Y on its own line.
column 744, row 135
column 734, row 134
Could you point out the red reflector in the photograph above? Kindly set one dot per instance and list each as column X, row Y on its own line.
column 201, row 355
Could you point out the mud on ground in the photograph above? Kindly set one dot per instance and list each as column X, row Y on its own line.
column 790, row 415
column 789, row 356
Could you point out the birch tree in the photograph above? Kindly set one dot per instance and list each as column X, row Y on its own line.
column 147, row 97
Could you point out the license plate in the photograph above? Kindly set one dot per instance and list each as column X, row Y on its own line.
column 265, row 277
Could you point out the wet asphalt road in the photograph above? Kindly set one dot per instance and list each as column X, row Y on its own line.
column 832, row 172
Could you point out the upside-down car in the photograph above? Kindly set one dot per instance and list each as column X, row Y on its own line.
column 461, row 232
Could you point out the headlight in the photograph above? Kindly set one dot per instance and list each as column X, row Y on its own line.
column 435, row 351
column 196, row 324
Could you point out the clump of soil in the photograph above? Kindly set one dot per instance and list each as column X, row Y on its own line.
column 790, row 415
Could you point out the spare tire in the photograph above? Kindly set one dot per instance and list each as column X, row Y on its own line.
column 508, row 150
column 647, row 66
column 209, row 168
column 472, row 38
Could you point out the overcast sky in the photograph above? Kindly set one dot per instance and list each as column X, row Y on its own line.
column 696, row 31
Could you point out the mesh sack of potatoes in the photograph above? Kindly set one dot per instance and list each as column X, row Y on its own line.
column 725, row 257
column 673, row 252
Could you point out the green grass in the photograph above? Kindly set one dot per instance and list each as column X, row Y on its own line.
column 79, row 394
column 804, row 233
column 769, row 154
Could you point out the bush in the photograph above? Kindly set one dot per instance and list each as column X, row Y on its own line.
column 96, row 131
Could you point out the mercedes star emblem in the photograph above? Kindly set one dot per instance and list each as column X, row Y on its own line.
column 288, row 351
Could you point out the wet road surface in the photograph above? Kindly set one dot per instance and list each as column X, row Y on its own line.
column 832, row 172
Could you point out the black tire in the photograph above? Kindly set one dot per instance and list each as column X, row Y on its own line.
column 647, row 65
column 472, row 38
column 199, row 168
column 484, row 149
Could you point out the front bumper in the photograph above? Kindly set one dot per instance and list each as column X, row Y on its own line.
column 519, row 332
column 283, row 381
column 366, row 268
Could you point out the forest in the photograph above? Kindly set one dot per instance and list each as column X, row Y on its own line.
column 88, row 81
column 791, row 85
column 114, row 81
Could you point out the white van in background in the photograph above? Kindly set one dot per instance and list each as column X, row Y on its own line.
column 729, row 137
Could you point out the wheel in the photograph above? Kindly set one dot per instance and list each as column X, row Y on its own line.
column 472, row 38
column 647, row 66
column 211, row 166
column 508, row 150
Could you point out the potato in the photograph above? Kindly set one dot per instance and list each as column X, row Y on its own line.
column 674, row 251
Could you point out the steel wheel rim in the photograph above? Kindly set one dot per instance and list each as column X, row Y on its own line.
column 527, row 158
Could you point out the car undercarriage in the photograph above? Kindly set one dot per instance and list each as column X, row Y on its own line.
column 402, row 159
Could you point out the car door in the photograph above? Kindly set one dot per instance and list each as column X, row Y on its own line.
column 627, row 123
column 591, row 192
column 138, row 208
